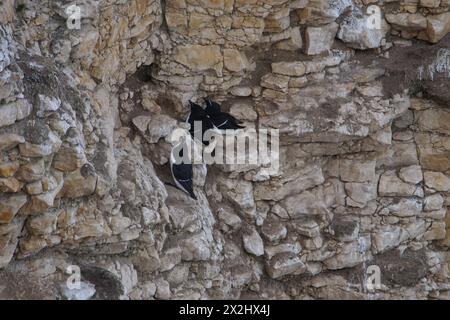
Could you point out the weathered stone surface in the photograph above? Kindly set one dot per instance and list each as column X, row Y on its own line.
column 360, row 193
column 305, row 178
column 407, row 21
column 159, row 127
column 438, row 26
column 244, row 112
column 47, row 104
column 31, row 171
column 230, row 219
column 79, row 183
column 295, row 41
column 391, row 185
column 290, row 248
column 284, row 264
column 345, row 229
column 9, row 238
column 15, row 111
column 350, row 254
column 69, row 158
column 239, row 193
column 275, row 82
column 299, row 82
column 43, row 224
column 305, row 204
column 141, row 123
column 436, row 120
column 295, row 69
column 430, row 3
column 307, row 228
column 357, row 32
column 8, row 169
column 10, row 140
column 195, row 248
column 399, row 154
column 402, row 268
column 357, row 171
column 277, row 21
column 200, row 58
column 433, row 202
column 241, row 91
column 10, row 206
column 387, row 238
column 411, row 174
column 320, row 39
column 92, row 228
column 7, row 13
column 10, row 185
column 437, row 231
column 433, row 151
column 253, row 243
column 364, row 146
column 273, row 231
column 162, row 290
column 437, row 181
column 47, row 147
column 319, row 12
column 234, row 60
column 405, row 207
column 42, row 202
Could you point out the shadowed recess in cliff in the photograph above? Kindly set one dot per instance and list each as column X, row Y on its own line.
column 414, row 68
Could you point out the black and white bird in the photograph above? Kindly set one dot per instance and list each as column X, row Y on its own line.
column 198, row 114
column 182, row 172
column 221, row 120
column 212, row 107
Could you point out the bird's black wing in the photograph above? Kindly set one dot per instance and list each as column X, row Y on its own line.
column 187, row 187
column 219, row 120
column 224, row 121
column 206, row 124
column 183, row 174
column 212, row 107
column 197, row 109
column 182, row 171
column 236, row 121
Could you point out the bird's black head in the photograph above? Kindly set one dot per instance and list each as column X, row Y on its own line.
column 211, row 106
column 195, row 108
column 192, row 195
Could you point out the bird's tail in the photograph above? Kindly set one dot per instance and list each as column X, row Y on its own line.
column 191, row 193
column 193, row 196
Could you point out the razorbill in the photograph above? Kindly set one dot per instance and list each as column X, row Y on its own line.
column 198, row 114
column 182, row 172
column 221, row 120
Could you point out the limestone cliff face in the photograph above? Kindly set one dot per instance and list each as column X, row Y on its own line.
column 364, row 179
